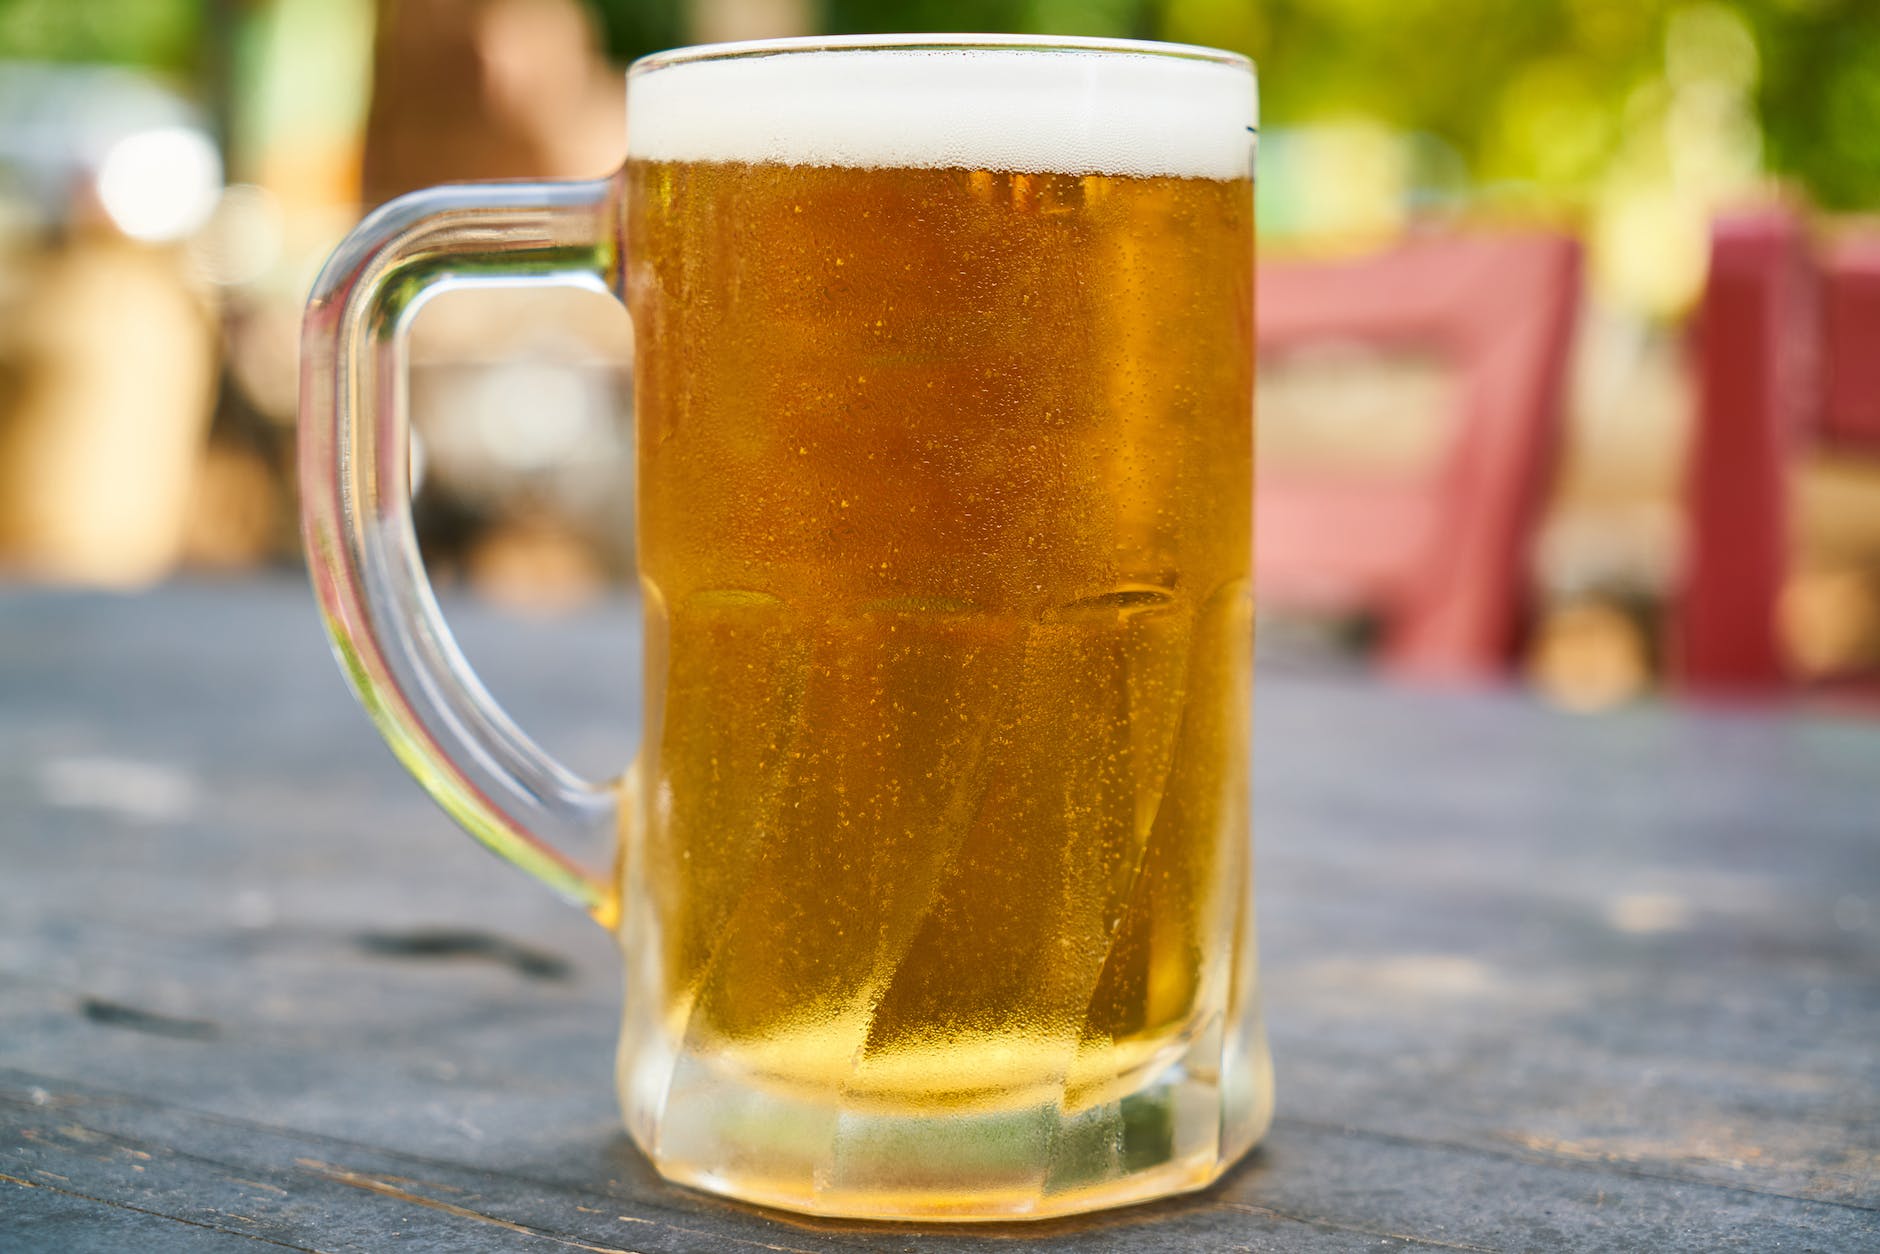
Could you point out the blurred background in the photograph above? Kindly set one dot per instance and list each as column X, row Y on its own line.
column 173, row 172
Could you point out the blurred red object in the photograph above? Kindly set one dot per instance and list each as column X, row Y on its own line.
column 1788, row 358
column 1440, row 559
column 1851, row 331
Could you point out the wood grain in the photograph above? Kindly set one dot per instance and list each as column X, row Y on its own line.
column 1535, row 981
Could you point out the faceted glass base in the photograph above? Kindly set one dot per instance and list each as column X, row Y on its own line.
column 1173, row 1131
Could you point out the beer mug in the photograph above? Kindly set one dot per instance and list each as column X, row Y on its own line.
column 933, row 877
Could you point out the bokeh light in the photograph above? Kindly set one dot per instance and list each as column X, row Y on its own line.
column 160, row 185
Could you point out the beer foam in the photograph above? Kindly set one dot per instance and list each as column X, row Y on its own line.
column 1136, row 109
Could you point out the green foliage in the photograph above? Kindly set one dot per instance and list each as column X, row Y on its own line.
column 1554, row 94
column 1819, row 99
column 1549, row 91
column 632, row 28
column 157, row 34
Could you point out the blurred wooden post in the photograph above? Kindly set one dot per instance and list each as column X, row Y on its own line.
column 1756, row 340
column 110, row 361
column 1851, row 336
column 1788, row 360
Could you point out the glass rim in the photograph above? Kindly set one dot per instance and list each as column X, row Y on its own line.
column 942, row 42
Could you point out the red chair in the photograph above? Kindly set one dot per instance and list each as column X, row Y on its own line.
column 1788, row 358
column 1441, row 561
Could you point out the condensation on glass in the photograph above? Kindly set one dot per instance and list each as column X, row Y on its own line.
column 933, row 876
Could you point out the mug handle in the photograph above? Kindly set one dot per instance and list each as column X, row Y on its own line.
column 355, row 443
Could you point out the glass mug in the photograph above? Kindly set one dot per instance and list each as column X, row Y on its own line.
column 933, row 874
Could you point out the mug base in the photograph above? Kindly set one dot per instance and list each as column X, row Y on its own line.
column 1175, row 1133
column 931, row 1206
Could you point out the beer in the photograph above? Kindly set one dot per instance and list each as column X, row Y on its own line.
column 944, row 526
column 933, row 879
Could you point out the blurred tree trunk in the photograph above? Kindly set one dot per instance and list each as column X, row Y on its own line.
column 482, row 89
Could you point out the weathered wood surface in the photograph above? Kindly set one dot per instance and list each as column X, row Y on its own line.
column 1535, row 981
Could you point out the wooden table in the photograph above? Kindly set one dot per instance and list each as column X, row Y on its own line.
column 1535, row 981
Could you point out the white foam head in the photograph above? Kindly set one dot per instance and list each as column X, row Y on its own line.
column 1075, row 107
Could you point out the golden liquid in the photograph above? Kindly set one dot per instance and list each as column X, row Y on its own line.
column 945, row 492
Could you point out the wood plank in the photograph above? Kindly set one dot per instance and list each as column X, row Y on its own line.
column 345, row 1195
column 217, row 1172
column 1534, row 979
column 47, row 1217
